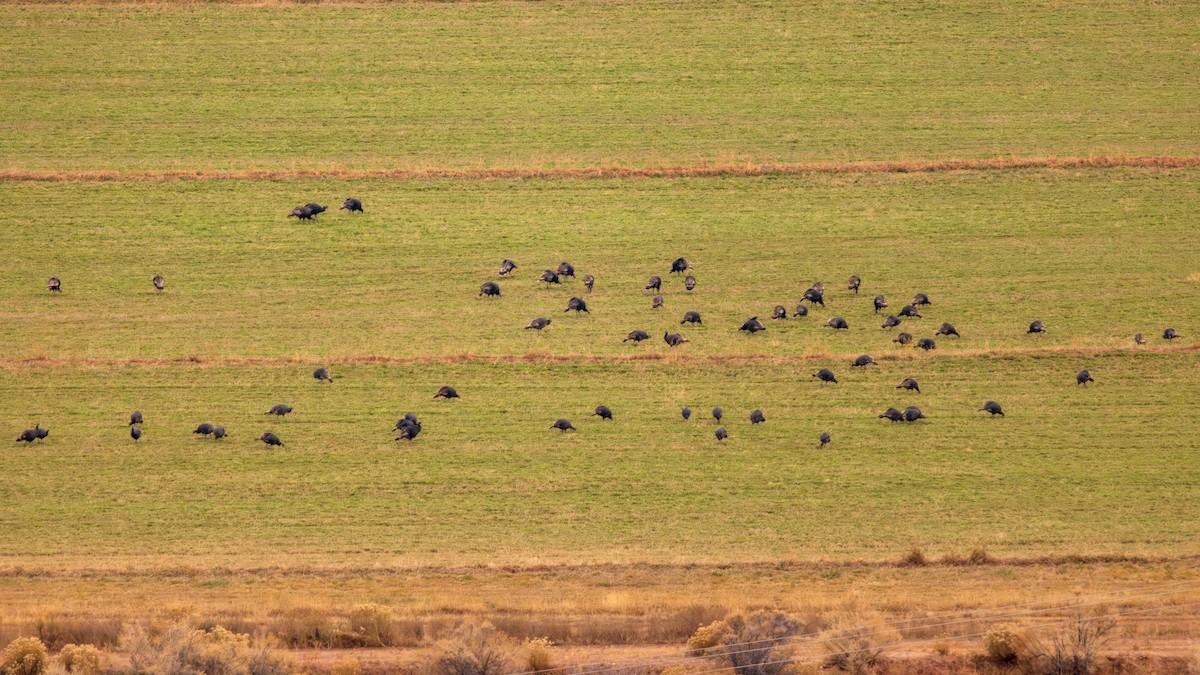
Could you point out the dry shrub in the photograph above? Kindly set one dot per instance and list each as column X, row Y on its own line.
column 477, row 648
column 705, row 637
column 408, row 632
column 915, row 558
column 1002, row 642
column 235, row 622
column 679, row 624
column 24, row 656
column 652, row 627
column 537, row 655
column 747, row 643
column 80, row 659
column 310, row 628
column 348, row 666
column 858, row 644
column 1075, row 648
column 374, row 623
column 55, row 631
column 980, row 556
column 304, row 629
column 181, row 650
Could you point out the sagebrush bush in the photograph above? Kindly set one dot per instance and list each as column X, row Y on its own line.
column 24, row 656
column 980, row 556
column 56, row 630
column 747, row 643
column 477, row 648
column 537, row 655
column 705, row 638
column 80, row 659
column 858, row 646
column 915, row 557
column 373, row 623
column 310, row 628
column 182, row 650
column 1002, row 642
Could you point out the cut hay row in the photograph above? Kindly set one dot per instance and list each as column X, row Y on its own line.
column 748, row 169
column 670, row 357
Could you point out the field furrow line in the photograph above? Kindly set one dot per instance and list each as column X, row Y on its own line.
column 748, row 169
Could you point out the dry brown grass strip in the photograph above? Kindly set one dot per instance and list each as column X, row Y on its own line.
column 187, row 571
column 253, row 361
column 680, row 171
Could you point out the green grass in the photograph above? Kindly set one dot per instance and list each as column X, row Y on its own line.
column 1097, row 254
column 1105, row 469
column 255, row 301
column 202, row 86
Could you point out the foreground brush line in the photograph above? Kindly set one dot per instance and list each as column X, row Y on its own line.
column 1073, row 638
column 747, row 169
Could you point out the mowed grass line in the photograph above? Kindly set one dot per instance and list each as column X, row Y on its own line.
column 582, row 84
column 1098, row 255
column 1109, row 468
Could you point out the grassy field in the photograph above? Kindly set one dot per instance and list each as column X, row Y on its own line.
column 627, row 532
column 1104, row 470
column 1097, row 254
column 201, row 86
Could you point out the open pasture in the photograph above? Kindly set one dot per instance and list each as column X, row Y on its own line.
column 1098, row 255
column 389, row 300
column 218, row 87
column 144, row 138
column 1103, row 469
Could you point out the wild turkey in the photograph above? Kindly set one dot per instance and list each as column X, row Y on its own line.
column 673, row 339
column 837, row 323
column 752, row 325
column 947, row 329
column 993, row 408
column 825, row 375
column 270, row 439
